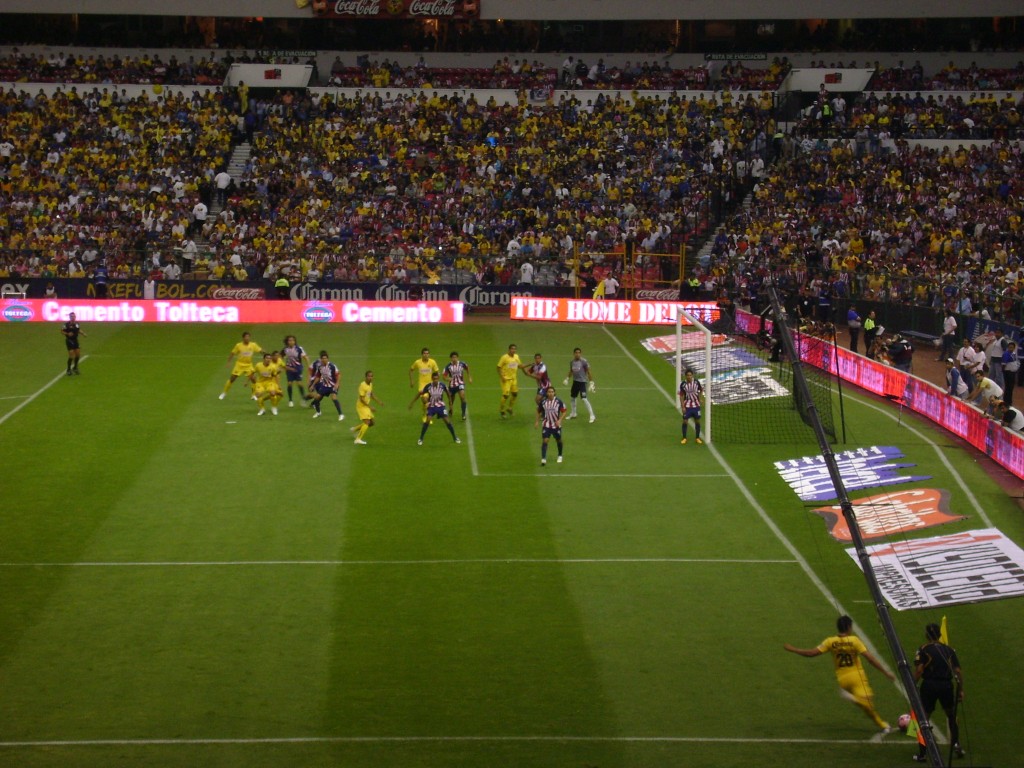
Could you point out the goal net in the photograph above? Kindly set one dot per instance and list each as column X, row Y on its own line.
column 749, row 396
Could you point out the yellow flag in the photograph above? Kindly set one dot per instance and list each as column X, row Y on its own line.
column 943, row 635
column 599, row 290
column 914, row 730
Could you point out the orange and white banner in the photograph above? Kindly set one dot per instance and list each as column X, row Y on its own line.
column 891, row 513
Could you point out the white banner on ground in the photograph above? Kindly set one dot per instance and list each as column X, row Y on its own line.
column 967, row 567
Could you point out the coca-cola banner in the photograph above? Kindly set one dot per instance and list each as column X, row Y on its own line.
column 397, row 9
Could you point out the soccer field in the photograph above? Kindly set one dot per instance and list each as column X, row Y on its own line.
column 185, row 583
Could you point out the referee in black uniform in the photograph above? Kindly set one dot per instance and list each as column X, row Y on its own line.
column 72, row 330
column 938, row 668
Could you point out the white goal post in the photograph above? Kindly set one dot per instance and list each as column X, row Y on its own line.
column 683, row 317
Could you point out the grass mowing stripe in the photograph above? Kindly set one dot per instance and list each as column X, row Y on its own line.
column 76, row 473
column 479, row 647
column 172, row 651
column 756, row 506
column 467, row 561
column 37, row 393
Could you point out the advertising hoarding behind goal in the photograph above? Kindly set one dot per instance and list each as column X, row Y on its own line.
column 607, row 311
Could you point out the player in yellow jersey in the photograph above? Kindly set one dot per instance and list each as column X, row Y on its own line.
column 245, row 351
column 847, row 649
column 364, row 407
column 424, row 367
column 280, row 365
column 265, row 385
column 508, row 374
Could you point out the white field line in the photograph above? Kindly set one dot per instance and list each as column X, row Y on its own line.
column 15, row 397
column 388, row 563
column 433, row 739
column 756, row 506
column 471, row 445
column 978, row 510
column 36, row 394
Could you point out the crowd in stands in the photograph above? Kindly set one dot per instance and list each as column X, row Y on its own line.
column 434, row 183
column 927, row 227
column 403, row 186
column 71, row 67
column 93, row 175
column 949, row 78
column 737, row 76
column 879, row 118
column 574, row 72
column 358, row 185
column 507, row 72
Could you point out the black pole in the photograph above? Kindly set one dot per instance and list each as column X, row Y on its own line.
column 839, row 384
column 881, row 608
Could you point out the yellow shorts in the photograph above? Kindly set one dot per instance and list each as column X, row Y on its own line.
column 363, row 412
column 242, row 370
column 509, row 386
column 855, row 684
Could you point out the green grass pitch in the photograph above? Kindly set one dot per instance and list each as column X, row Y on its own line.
column 183, row 583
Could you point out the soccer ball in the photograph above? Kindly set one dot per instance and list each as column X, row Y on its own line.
column 424, row 397
column 903, row 722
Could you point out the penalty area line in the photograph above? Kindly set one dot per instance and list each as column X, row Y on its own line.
column 66, row 743
column 36, row 394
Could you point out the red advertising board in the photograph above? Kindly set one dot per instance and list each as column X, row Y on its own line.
column 607, row 311
column 156, row 311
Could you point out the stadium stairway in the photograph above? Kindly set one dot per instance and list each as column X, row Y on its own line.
column 704, row 253
column 236, row 170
